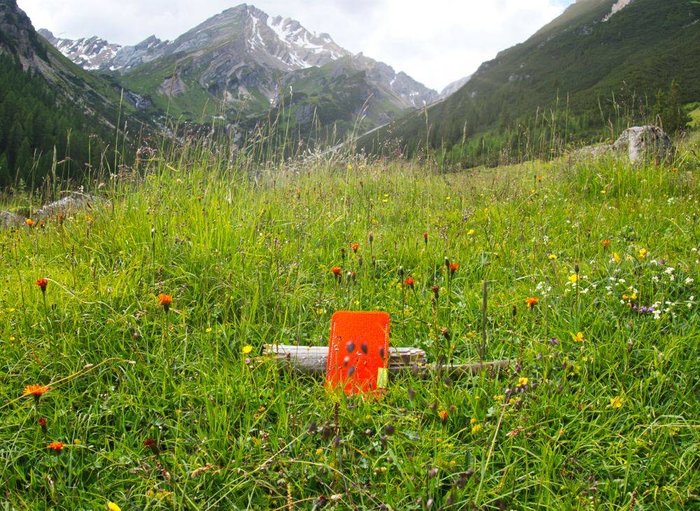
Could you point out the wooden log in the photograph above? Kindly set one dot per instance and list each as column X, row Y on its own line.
column 459, row 370
column 312, row 360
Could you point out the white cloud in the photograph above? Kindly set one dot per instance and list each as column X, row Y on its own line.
column 435, row 42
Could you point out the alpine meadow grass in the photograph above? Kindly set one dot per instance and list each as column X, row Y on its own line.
column 132, row 375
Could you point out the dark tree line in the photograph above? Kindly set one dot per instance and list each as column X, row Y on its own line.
column 36, row 124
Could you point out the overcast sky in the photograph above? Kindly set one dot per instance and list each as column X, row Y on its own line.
column 436, row 41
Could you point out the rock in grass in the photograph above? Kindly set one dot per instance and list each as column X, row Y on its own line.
column 69, row 204
column 645, row 142
column 591, row 151
column 76, row 201
column 10, row 220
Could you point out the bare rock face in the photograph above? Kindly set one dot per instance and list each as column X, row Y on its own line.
column 644, row 142
column 172, row 86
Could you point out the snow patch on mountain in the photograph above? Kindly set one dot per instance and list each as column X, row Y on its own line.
column 90, row 53
column 302, row 43
column 256, row 41
column 617, row 7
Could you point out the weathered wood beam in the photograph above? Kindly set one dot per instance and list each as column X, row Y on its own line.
column 312, row 360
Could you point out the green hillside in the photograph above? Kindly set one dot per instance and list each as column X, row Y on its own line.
column 328, row 102
column 572, row 81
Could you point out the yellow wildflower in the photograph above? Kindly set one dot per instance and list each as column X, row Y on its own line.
column 476, row 428
column 643, row 253
column 616, row 402
column 523, row 381
column 552, row 257
column 616, row 257
column 111, row 506
column 247, row 349
column 579, row 337
column 573, row 278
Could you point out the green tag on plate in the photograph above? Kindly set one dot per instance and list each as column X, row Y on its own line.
column 382, row 378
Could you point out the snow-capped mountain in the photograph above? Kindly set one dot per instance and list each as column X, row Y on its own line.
column 90, row 53
column 94, row 53
column 279, row 42
column 240, row 59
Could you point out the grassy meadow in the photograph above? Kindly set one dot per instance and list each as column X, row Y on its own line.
column 593, row 290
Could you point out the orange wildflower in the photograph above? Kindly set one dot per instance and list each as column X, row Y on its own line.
column 409, row 281
column 42, row 283
column 56, row 446
column 355, row 247
column 605, row 243
column 36, row 390
column 165, row 301
column 443, row 415
column 29, row 222
column 531, row 301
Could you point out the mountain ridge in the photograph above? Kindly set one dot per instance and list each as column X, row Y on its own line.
column 241, row 62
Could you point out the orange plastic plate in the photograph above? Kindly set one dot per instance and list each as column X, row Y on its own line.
column 358, row 351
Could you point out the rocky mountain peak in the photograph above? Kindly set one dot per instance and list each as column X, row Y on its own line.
column 90, row 53
column 241, row 57
column 17, row 35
